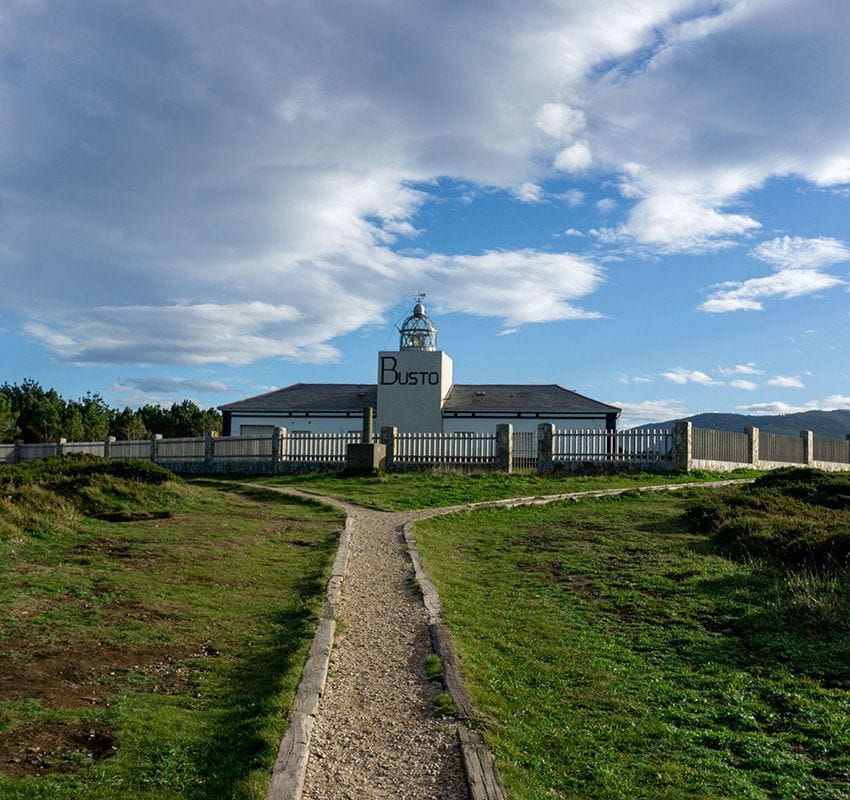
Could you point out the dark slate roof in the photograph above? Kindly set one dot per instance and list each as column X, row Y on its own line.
column 493, row 397
column 311, row 397
column 501, row 397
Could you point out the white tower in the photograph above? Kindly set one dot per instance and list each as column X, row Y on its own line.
column 413, row 382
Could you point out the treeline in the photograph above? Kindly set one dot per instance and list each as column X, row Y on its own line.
column 35, row 414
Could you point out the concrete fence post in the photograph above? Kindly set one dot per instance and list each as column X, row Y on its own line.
column 545, row 447
column 753, row 446
column 60, row 447
column 277, row 438
column 155, row 440
column 848, row 448
column 366, row 437
column 107, row 444
column 808, row 448
column 19, row 451
column 683, row 445
column 209, row 448
column 505, row 447
column 388, row 437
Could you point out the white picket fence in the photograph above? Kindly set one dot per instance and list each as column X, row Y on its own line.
column 638, row 446
column 446, row 449
column 316, row 448
column 524, row 450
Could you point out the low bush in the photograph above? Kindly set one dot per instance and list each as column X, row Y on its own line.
column 46, row 497
column 793, row 518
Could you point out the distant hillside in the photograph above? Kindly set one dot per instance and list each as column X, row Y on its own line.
column 824, row 423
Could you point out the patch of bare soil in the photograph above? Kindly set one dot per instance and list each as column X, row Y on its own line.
column 78, row 673
column 119, row 550
column 133, row 516
column 50, row 748
column 548, row 571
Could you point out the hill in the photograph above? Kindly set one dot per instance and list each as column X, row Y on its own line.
column 835, row 424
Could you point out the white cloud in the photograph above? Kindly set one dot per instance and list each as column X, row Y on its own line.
column 636, row 379
column 772, row 408
column 747, row 295
column 559, row 121
column 497, row 284
column 708, row 131
column 786, row 382
column 573, row 197
column 750, row 368
column 796, row 252
column 166, row 384
column 507, row 285
column 575, row 158
column 682, row 376
column 834, row 402
column 606, row 205
column 679, row 222
column 748, row 386
column 650, row 411
column 573, row 232
column 529, row 192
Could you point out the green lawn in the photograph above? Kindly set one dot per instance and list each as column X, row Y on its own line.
column 151, row 636
column 437, row 489
column 613, row 654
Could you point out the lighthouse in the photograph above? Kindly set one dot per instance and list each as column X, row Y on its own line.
column 415, row 380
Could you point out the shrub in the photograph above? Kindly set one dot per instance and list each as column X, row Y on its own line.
column 793, row 517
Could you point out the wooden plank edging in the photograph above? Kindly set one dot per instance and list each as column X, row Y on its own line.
column 482, row 776
column 290, row 767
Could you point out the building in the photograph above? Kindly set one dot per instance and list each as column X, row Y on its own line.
column 415, row 392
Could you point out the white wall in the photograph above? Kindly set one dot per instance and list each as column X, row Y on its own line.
column 314, row 424
column 488, row 425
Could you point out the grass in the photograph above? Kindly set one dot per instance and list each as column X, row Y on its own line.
column 437, row 489
column 433, row 667
column 152, row 632
column 614, row 652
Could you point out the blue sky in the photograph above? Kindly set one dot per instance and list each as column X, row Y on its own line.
column 646, row 202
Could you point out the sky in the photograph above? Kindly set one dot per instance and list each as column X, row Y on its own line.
column 646, row 201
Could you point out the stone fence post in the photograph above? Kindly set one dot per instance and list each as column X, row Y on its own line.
column 60, row 446
column 545, row 447
column 19, row 446
column 683, row 445
column 753, row 446
column 808, row 448
column 505, row 447
column 107, row 443
column 388, row 437
column 155, row 439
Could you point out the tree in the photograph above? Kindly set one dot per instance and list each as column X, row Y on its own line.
column 182, row 419
column 40, row 413
column 127, row 425
column 95, row 416
column 8, row 420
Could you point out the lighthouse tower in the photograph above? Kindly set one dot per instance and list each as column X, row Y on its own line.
column 414, row 381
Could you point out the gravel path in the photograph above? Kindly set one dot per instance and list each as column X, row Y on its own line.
column 375, row 735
